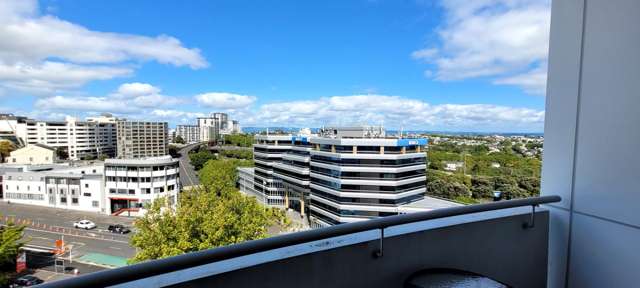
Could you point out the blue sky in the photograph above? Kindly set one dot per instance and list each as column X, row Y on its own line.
column 437, row 65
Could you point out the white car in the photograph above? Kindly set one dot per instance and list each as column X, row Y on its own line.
column 84, row 224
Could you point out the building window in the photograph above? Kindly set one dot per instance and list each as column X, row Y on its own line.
column 63, row 200
column 131, row 191
column 86, row 185
column 86, row 194
column 74, row 201
column 94, row 203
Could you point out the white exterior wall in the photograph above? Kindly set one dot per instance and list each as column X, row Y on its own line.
column 591, row 143
column 42, row 189
column 118, row 186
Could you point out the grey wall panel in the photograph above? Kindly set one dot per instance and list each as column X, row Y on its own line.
column 607, row 183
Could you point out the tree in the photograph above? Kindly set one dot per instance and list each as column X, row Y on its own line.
column 179, row 140
column 5, row 149
column 482, row 187
column 216, row 215
column 62, row 153
column 10, row 244
column 198, row 159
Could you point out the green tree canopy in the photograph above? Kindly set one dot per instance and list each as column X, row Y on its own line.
column 216, row 215
column 178, row 139
column 198, row 159
column 10, row 244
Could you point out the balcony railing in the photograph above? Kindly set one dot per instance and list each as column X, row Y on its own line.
column 504, row 241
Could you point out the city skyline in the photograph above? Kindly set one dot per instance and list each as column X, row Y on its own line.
column 410, row 65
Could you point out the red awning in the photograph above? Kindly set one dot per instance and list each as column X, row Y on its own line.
column 119, row 198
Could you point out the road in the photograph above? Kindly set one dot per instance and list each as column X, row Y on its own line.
column 44, row 225
column 188, row 175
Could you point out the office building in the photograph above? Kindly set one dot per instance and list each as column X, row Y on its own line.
column 116, row 187
column 341, row 175
column 189, row 133
column 73, row 188
column 141, row 139
column 132, row 183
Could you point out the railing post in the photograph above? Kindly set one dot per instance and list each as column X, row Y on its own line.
column 378, row 253
column 532, row 220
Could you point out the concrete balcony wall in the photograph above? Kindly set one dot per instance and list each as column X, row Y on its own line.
column 493, row 244
column 591, row 143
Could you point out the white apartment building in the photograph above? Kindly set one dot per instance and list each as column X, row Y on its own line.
column 141, row 139
column 131, row 183
column 92, row 138
column 217, row 124
column 190, row 133
column 76, row 188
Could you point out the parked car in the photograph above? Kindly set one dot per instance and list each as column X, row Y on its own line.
column 84, row 224
column 117, row 228
column 27, row 280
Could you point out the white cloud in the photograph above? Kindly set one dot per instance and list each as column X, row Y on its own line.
column 176, row 114
column 396, row 112
column 47, row 77
column 491, row 38
column 137, row 89
column 223, row 100
column 129, row 98
column 92, row 104
column 31, row 42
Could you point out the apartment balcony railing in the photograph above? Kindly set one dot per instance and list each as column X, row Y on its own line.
column 505, row 241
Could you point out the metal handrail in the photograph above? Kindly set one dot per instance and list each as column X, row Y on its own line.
column 194, row 259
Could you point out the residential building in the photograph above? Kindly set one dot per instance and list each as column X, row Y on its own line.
column 132, row 183
column 141, row 139
column 33, row 154
column 215, row 125
column 59, row 188
column 92, row 138
column 190, row 133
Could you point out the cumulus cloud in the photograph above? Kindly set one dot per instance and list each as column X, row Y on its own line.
column 137, row 89
column 92, row 104
column 30, row 42
column 128, row 98
column 223, row 100
column 506, row 40
column 396, row 112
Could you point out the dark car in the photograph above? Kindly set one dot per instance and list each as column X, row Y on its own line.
column 27, row 280
column 118, row 229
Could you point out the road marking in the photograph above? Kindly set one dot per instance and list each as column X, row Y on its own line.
column 80, row 236
column 116, row 248
column 41, row 238
column 78, row 243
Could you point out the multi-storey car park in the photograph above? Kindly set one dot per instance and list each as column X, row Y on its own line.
column 92, row 138
column 342, row 175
